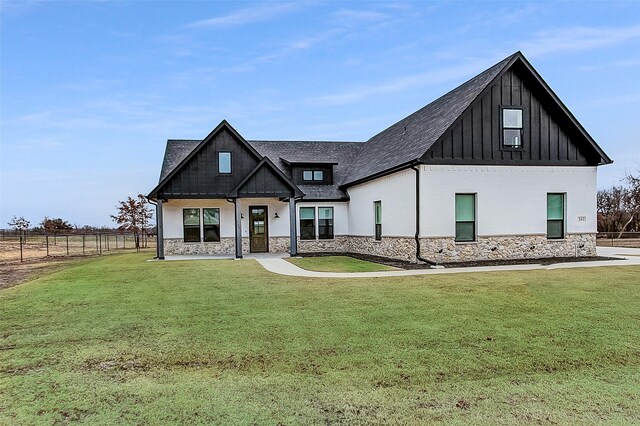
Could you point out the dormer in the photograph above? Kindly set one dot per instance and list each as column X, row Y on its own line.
column 310, row 173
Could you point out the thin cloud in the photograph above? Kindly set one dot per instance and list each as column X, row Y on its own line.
column 401, row 84
column 577, row 39
column 263, row 12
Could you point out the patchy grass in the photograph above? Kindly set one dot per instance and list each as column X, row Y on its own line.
column 338, row 264
column 117, row 340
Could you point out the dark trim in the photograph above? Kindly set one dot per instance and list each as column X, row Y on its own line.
column 266, row 228
column 417, row 234
column 402, row 166
column 265, row 161
column 377, row 236
column 474, row 221
column 308, row 163
column 504, row 147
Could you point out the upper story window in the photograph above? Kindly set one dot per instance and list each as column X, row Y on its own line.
column 313, row 175
column 512, row 128
column 224, row 163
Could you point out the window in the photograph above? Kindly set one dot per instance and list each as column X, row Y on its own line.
column 465, row 217
column 224, row 163
column 555, row 216
column 191, row 224
column 307, row 223
column 325, row 223
column 211, row 221
column 313, row 175
column 377, row 211
column 512, row 128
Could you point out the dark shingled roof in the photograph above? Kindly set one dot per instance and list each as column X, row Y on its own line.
column 411, row 137
column 402, row 143
column 176, row 151
column 342, row 153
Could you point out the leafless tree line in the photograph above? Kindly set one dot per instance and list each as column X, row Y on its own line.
column 619, row 206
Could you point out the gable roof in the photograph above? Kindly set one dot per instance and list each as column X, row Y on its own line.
column 400, row 145
column 313, row 152
column 408, row 139
column 266, row 163
column 176, row 155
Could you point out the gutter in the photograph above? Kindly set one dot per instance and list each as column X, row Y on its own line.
column 434, row 265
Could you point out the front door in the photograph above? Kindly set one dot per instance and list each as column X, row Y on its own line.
column 258, row 229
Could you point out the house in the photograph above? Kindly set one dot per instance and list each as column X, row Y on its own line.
column 498, row 168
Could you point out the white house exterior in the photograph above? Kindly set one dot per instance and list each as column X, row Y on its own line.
column 497, row 168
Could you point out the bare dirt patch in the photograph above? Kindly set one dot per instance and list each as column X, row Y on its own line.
column 14, row 272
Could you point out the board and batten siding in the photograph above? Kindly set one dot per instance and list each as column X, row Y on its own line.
column 548, row 138
column 511, row 200
column 199, row 178
column 397, row 193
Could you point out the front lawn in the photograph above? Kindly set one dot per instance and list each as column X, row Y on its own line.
column 338, row 264
column 122, row 341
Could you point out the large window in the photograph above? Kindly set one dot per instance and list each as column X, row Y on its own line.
column 555, row 216
column 191, row 225
column 211, row 225
column 377, row 213
column 325, row 223
column 307, row 223
column 512, row 128
column 224, row 163
column 465, row 217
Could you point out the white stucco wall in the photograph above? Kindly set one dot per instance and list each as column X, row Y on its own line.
column 278, row 227
column 340, row 215
column 397, row 193
column 510, row 200
column 172, row 216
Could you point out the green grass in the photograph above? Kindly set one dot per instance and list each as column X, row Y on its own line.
column 338, row 264
column 122, row 341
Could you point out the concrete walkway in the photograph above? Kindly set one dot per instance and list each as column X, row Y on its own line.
column 282, row 267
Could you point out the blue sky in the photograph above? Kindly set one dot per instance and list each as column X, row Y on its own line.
column 90, row 91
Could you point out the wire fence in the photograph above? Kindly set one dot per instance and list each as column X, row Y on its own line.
column 17, row 246
column 617, row 239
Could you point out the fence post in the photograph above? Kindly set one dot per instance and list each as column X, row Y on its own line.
column 67, row 245
column 47, row 239
column 100, row 238
column 83, row 238
column 20, row 248
column 124, row 241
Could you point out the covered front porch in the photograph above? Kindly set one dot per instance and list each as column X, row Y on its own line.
column 233, row 227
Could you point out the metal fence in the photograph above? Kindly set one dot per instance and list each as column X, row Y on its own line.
column 616, row 239
column 16, row 246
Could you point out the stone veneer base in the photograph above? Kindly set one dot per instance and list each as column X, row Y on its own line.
column 403, row 248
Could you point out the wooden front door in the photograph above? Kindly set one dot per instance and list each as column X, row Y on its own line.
column 258, row 229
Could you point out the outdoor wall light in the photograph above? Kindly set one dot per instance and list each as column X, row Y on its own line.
column 276, row 216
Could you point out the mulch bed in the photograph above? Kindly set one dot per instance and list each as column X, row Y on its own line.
column 408, row 265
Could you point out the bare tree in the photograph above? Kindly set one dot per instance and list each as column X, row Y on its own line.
column 611, row 211
column 631, row 200
column 133, row 216
column 19, row 223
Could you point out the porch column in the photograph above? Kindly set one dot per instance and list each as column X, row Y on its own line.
column 238, row 228
column 292, row 227
column 159, row 233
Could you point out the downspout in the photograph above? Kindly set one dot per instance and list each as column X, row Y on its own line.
column 417, row 235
